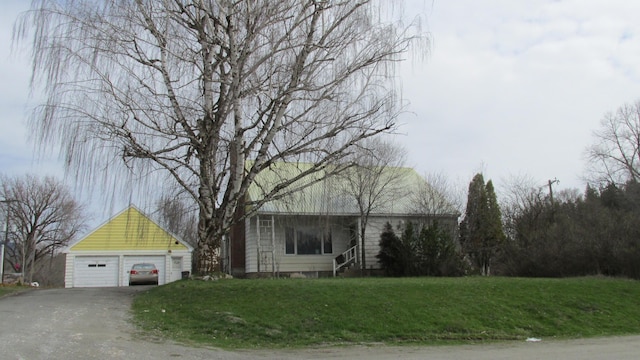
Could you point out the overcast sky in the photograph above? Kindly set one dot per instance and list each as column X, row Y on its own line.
column 510, row 88
column 516, row 88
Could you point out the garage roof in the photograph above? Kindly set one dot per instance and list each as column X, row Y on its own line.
column 129, row 230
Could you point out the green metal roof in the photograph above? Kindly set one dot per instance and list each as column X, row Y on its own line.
column 332, row 195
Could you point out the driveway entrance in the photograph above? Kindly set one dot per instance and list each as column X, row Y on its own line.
column 81, row 323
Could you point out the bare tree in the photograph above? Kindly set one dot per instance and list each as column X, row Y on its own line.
column 374, row 180
column 520, row 194
column 615, row 155
column 43, row 217
column 438, row 196
column 179, row 216
column 190, row 90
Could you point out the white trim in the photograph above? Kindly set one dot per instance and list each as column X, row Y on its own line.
column 127, row 252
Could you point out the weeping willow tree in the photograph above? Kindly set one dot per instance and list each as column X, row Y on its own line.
column 205, row 94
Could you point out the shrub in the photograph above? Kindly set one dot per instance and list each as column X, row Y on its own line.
column 429, row 251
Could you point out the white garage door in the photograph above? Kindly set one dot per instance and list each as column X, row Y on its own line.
column 95, row 271
column 158, row 261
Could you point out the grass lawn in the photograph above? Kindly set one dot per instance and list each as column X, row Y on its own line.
column 6, row 290
column 307, row 312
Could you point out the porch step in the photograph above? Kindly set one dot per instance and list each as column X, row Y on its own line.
column 351, row 271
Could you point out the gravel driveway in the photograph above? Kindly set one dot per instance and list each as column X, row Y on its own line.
column 93, row 323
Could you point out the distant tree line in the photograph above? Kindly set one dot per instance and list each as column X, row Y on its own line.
column 573, row 234
column 593, row 233
column 597, row 233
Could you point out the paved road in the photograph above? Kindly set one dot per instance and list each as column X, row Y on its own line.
column 83, row 324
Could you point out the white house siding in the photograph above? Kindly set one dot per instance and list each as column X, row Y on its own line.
column 375, row 226
column 68, row 270
column 251, row 246
column 287, row 263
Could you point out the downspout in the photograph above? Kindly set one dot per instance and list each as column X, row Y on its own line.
column 273, row 246
column 258, row 239
column 2, row 263
column 360, row 243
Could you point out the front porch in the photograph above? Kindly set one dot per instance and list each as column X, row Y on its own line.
column 311, row 245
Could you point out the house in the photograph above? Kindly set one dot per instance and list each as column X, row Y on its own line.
column 105, row 256
column 315, row 231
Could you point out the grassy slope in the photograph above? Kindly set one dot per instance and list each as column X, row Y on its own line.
column 6, row 290
column 288, row 312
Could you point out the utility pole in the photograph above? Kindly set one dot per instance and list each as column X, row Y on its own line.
column 553, row 207
column 551, row 182
column 2, row 262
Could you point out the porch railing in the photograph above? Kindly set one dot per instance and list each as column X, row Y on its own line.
column 350, row 256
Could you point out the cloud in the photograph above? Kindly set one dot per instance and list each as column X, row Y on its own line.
column 18, row 155
column 519, row 86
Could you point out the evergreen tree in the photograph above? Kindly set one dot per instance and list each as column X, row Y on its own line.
column 481, row 231
column 437, row 254
column 420, row 250
column 494, row 233
column 409, row 258
column 470, row 238
column 391, row 252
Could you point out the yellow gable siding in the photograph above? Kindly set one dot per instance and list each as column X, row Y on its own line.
column 130, row 230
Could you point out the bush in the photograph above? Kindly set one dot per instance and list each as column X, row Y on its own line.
column 429, row 251
column 393, row 253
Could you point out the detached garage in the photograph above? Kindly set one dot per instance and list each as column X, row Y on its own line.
column 105, row 256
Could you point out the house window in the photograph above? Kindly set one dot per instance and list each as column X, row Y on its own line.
column 266, row 230
column 308, row 241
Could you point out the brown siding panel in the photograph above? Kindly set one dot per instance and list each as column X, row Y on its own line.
column 238, row 241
